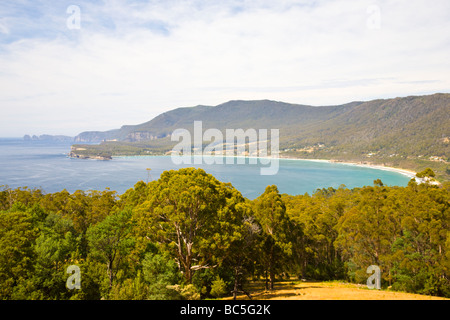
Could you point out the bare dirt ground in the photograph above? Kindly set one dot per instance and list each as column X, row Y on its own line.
column 298, row 290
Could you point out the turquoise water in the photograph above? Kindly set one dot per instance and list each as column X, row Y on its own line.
column 38, row 164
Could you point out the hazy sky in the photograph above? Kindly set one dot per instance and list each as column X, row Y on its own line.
column 72, row 66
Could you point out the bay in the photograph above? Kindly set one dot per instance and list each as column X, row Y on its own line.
column 45, row 165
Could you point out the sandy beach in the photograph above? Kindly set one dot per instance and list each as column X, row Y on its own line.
column 409, row 173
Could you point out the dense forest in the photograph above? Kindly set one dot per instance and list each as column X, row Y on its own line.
column 190, row 236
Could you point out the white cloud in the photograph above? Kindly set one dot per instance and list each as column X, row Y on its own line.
column 3, row 28
column 128, row 63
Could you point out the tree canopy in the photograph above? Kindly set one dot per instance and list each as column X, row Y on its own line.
column 191, row 236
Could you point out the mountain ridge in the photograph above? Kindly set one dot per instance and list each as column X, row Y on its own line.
column 213, row 115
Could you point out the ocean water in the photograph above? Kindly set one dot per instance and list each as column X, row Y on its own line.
column 45, row 165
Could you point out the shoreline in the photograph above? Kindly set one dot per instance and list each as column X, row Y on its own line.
column 409, row 173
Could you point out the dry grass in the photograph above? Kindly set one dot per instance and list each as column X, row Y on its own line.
column 297, row 290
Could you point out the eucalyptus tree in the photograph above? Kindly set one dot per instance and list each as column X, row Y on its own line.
column 276, row 246
column 193, row 216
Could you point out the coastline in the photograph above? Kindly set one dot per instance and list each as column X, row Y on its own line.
column 405, row 172
column 409, row 173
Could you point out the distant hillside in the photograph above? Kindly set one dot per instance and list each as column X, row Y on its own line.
column 233, row 114
column 47, row 137
column 411, row 132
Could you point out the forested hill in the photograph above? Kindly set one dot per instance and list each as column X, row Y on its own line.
column 408, row 131
column 231, row 115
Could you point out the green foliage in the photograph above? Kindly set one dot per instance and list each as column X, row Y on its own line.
column 187, row 292
column 161, row 273
column 270, row 212
column 426, row 173
column 315, row 218
column 190, row 236
column 130, row 289
column 110, row 241
column 17, row 236
column 194, row 216
column 218, row 288
column 53, row 248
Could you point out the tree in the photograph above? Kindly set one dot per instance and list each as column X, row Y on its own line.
column 110, row 241
column 427, row 173
column 160, row 273
column 244, row 254
column 314, row 219
column 367, row 230
column 17, row 236
column 270, row 212
column 188, row 236
column 55, row 245
column 420, row 262
column 193, row 216
column 218, row 287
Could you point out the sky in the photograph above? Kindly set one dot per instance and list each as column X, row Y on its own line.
column 73, row 66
